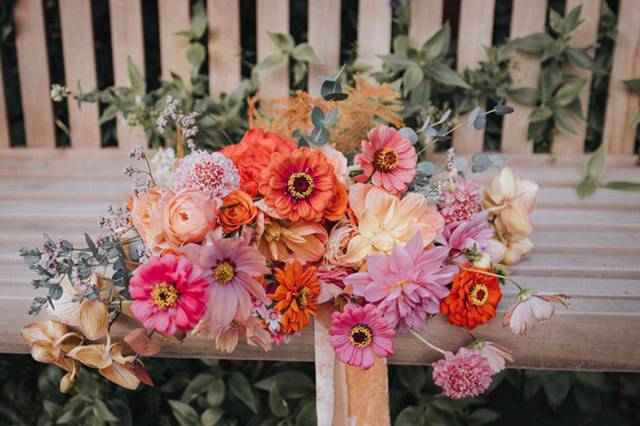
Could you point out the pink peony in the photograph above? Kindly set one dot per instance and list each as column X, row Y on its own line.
column 460, row 200
column 406, row 285
column 188, row 217
column 359, row 332
column 232, row 265
column 170, row 293
column 462, row 375
column 474, row 232
column 209, row 172
column 388, row 159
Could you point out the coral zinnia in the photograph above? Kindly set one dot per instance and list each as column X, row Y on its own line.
column 169, row 293
column 388, row 159
column 473, row 298
column 299, row 186
column 359, row 332
column 462, row 375
column 296, row 295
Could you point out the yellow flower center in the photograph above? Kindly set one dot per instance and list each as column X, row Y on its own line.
column 300, row 185
column 361, row 336
column 234, row 324
column 164, row 295
column 224, row 272
column 303, row 297
column 479, row 295
column 386, row 160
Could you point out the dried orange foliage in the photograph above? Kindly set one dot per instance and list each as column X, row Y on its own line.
column 367, row 106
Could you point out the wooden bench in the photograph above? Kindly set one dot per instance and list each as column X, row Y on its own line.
column 589, row 249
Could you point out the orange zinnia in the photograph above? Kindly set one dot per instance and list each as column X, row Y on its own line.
column 296, row 296
column 473, row 298
column 299, row 186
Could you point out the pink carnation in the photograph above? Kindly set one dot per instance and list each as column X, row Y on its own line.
column 462, row 375
column 406, row 285
column 358, row 333
column 170, row 293
column 474, row 232
column 459, row 202
column 210, row 172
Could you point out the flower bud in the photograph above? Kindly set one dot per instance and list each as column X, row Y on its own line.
column 482, row 261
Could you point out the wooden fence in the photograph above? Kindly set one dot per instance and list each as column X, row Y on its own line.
column 374, row 38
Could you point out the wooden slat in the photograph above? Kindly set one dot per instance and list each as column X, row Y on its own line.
column 174, row 16
column 528, row 16
column 80, row 69
column 225, row 72
column 475, row 31
column 426, row 20
column 126, row 41
column 33, row 68
column 324, row 36
column 272, row 16
column 621, row 104
column 586, row 34
column 5, row 136
column 374, row 31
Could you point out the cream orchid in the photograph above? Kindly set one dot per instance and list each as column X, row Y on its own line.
column 302, row 241
column 50, row 341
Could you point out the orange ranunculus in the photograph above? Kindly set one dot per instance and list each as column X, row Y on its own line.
column 335, row 211
column 146, row 217
column 253, row 154
column 296, row 296
column 237, row 209
column 188, row 217
column 473, row 298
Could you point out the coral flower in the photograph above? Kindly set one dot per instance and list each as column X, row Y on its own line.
column 462, row 375
column 232, row 265
column 299, row 186
column 188, row 217
column 237, row 209
column 406, row 285
column 302, row 241
column 226, row 336
column 147, row 217
column 296, row 295
column 209, row 172
column 170, row 294
column 358, row 333
column 253, row 154
column 337, row 245
column 460, row 200
column 473, row 298
column 531, row 308
column 388, row 159
column 338, row 206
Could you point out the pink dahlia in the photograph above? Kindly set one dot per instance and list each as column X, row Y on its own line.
column 388, row 159
column 460, row 200
column 170, row 293
column 359, row 332
column 476, row 232
column 232, row 266
column 462, row 375
column 210, row 172
column 406, row 285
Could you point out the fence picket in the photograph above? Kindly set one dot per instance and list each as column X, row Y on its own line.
column 272, row 16
column 225, row 72
column 324, row 36
column 126, row 41
column 426, row 20
column 374, row 31
column 33, row 69
column 476, row 29
column 621, row 104
column 5, row 135
column 80, row 69
column 528, row 16
column 586, row 34
column 173, row 17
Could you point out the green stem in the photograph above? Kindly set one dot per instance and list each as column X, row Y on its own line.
column 426, row 342
column 494, row 275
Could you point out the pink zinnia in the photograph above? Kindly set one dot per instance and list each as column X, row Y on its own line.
column 388, row 159
column 359, row 332
column 474, row 232
column 170, row 293
column 462, row 375
column 210, row 172
column 406, row 285
column 232, row 265
column 460, row 200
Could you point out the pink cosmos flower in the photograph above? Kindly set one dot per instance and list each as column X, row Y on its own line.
column 388, row 159
column 406, row 285
column 226, row 337
column 462, row 375
column 496, row 355
column 170, row 293
column 531, row 308
column 210, row 172
column 474, row 232
column 359, row 332
column 232, row 265
column 459, row 201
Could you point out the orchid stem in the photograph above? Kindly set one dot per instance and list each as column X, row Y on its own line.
column 426, row 342
column 494, row 275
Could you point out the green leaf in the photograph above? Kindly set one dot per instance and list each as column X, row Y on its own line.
column 401, row 44
column 572, row 19
column 135, row 78
column 211, row 416
column 195, row 56
column 241, row 389
column 557, row 387
column 292, row 384
column 622, row 185
column 319, row 136
column 533, row 43
column 444, row 74
column 580, row 58
column 198, row 20
column 540, row 114
column 480, row 162
column 563, row 122
column 632, row 85
column 184, row 413
column 299, row 72
column 553, row 50
column 317, row 117
column 270, row 63
column 635, row 120
column 215, row 393
column 438, row 44
column 524, row 95
column 196, row 387
column 409, row 134
column 396, row 61
column 102, row 412
column 586, row 188
column 307, row 415
column 550, row 79
column 503, row 109
column 304, row 52
column 413, row 378
column 555, row 21
column 483, row 416
column 413, row 76
column 596, row 165
column 421, row 94
column 283, row 41
column 569, row 91
column 410, row 416
column 277, row 403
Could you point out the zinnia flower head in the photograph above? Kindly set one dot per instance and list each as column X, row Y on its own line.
column 406, row 285
column 531, row 308
column 210, row 172
column 462, row 375
column 496, row 355
column 170, row 294
column 296, row 296
column 473, row 299
column 460, row 200
column 388, row 159
column 476, row 232
column 358, row 333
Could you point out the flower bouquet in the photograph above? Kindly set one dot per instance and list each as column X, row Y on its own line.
column 248, row 241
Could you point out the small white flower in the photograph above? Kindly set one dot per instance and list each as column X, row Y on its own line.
column 273, row 321
column 483, row 261
column 531, row 308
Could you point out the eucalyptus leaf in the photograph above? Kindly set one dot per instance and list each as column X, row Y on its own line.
column 622, row 185
column 317, row 117
column 480, row 121
column 319, row 136
column 480, row 162
column 502, row 109
column 409, row 133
